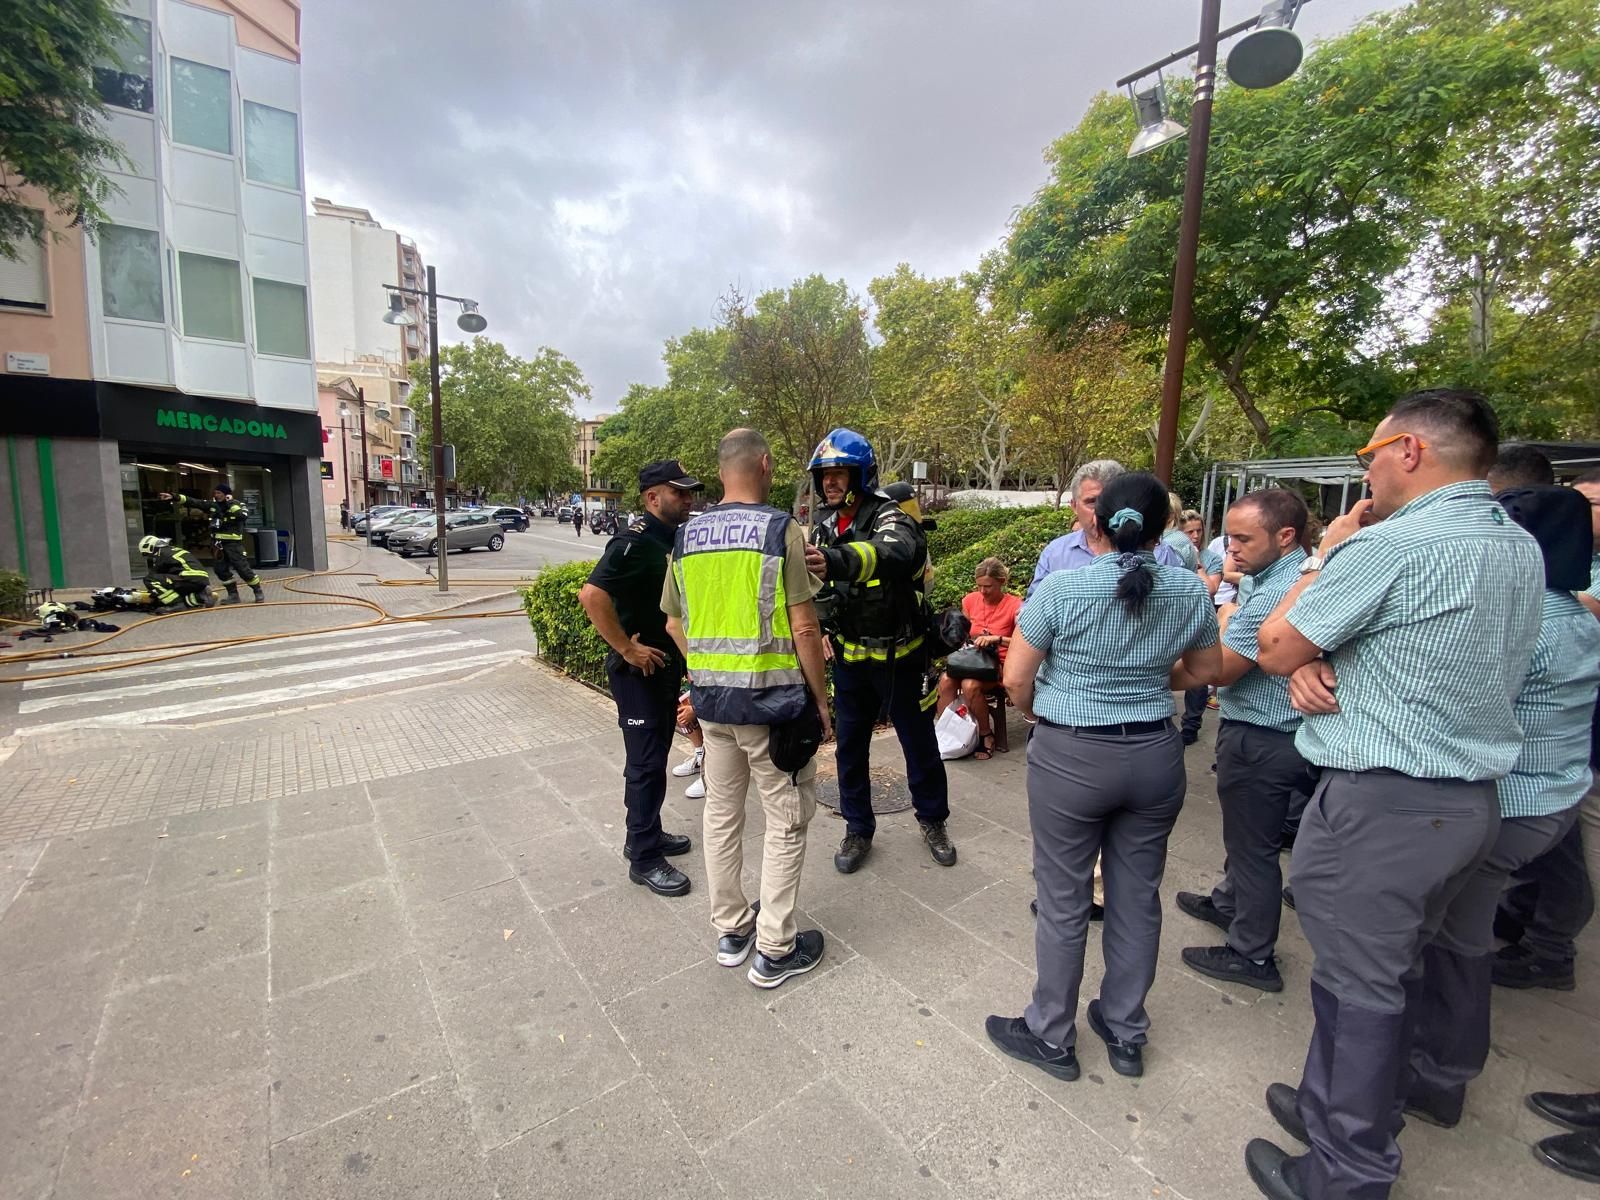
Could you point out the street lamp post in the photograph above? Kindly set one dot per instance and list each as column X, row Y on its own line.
column 344, row 453
column 471, row 321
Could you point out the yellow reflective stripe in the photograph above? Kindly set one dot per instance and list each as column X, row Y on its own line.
column 872, row 583
column 740, row 662
column 856, row 653
column 869, row 559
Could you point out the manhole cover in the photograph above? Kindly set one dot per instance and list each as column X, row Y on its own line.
column 889, row 791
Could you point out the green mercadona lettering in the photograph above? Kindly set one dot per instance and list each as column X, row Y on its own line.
column 180, row 418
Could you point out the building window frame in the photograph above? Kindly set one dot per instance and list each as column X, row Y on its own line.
column 178, row 299
column 162, row 280
column 297, row 187
column 173, row 61
column 305, row 298
column 33, row 308
column 105, row 75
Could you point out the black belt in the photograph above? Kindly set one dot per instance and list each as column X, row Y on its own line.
column 1125, row 729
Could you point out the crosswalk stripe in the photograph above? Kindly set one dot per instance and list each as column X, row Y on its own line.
column 191, row 684
column 285, row 695
column 272, row 650
column 68, row 660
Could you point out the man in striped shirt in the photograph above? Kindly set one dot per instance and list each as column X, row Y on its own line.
column 1421, row 732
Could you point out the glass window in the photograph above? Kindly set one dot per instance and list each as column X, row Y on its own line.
column 124, row 79
column 271, row 145
column 130, row 273
column 25, row 279
column 202, row 106
column 209, row 291
column 281, row 319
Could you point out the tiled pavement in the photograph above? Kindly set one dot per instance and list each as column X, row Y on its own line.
column 439, row 983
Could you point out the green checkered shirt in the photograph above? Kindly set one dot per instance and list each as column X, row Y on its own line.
column 1554, row 709
column 1256, row 697
column 1103, row 667
column 1429, row 618
column 1594, row 577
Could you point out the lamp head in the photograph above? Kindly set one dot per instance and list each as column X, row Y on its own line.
column 471, row 319
column 397, row 314
column 1155, row 127
column 1271, row 52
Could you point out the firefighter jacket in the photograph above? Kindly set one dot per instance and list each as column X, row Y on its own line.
column 872, row 601
column 175, row 563
column 227, row 517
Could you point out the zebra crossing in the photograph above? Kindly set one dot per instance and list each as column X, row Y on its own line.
column 252, row 681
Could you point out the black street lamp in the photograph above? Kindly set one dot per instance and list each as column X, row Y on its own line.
column 1264, row 59
column 470, row 320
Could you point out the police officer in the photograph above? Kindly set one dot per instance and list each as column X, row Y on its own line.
column 227, row 534
column 872, row 557
column 174, row 578
column 645, row 668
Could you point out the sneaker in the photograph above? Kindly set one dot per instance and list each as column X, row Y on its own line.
column 807, row 953
column 1016, row 1040
column 692, row 764
column 734, row 948
column 1212, row 703
column 1227, row 964
column 933, row 832
column 1531, row 971
column 1202, row 908
column 852, row 853
column 696, row 790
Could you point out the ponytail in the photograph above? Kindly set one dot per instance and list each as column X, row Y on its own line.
column 1133, row 510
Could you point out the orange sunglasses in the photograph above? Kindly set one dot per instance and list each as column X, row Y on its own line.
column 1365, row 455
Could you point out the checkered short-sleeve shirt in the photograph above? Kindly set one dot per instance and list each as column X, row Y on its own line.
column 1555, row 708
column 1256, row 697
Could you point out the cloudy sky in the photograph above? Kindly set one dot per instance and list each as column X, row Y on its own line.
column 597, row 172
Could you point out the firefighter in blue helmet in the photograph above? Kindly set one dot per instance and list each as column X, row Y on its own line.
column 872, row 557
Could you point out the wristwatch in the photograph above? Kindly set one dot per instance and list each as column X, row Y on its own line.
column 1311, row 564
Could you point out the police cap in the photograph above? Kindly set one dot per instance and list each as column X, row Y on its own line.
column 670, row 471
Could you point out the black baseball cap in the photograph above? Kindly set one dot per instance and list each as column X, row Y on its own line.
column 668, row 470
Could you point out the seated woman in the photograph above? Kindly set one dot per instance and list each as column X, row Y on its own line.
column 993, row 613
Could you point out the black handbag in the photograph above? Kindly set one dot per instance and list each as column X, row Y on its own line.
column 793, row 744
column 973, row 662
column 948, row 631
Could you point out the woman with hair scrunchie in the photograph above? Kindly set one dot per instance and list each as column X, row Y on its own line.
column 1095, row 659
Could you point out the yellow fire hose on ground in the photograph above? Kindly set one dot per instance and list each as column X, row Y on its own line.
column 162, row 652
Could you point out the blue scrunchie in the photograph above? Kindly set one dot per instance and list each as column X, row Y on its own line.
column 1124, row 516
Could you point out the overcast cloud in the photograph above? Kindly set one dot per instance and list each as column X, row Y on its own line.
column 598, row 172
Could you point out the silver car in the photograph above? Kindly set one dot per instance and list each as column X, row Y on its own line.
column 408, row 518
column 463, row 531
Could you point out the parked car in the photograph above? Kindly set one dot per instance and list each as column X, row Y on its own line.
column 509, row 518
column 548, row 510
column 358, row 521
column 564, row 513
column 463, row 531
column 383, row 526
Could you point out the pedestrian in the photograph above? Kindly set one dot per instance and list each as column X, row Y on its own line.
column 992, row 614
column 228, row 520
column 738, row 601
column 577, row 521
column 1520, row 467
column 1105, row 771
column 1417, row 576
column 344, row 514
column 1259, row 771
column 644, row 667
column 873, row 559
column 1086, row 543
column 693, row 766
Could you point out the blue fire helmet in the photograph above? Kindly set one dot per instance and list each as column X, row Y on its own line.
column 846, row 448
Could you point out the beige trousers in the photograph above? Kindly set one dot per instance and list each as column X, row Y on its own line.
column 736, row 754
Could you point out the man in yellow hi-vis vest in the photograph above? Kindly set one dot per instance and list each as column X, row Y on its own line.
column 738, row 604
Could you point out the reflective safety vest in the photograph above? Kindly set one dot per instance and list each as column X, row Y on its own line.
column 743, row 669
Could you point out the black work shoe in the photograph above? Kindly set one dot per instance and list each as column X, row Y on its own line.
column 1288, row 898
column 1414, row 1107
column 1575, row 1110
column 933, row 832
column 734, row 948
column 1283, row 1102
column 1201, row 908
column 1575, row 1154
column 807, row 953
column 1532, row 971
column 261, row 597
column 1126, row 1058
column 232, row 598
column 1227, row 964
column 852, row 853
column 663, row 880
column 1015, row 1039
column 1097, row 912
column 674, row 844
column 1273, row 1171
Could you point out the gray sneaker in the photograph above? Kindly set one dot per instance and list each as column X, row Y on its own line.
column 807, row 953
column 734, row 948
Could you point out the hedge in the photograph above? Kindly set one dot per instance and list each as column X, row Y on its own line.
column 958, row 528
column 13, row 592
column 1017, row 544
column 566, row 639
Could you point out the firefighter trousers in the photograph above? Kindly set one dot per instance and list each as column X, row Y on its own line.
column 231, row 558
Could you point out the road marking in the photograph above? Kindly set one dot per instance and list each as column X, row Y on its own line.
column 178, row 712
column 69, row 659
column 193, row 662
column 220, row 678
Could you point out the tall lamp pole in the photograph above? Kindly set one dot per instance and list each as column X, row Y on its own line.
column 344, row 451
column 366, row 482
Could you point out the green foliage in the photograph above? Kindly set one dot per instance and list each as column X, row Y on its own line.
column 567, row 641
column 959, row 528
column 13, row 590
column 51, row 133
column 510, row 419
column 1018, row 544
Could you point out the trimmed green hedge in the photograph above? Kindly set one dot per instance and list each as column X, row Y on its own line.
column 1018, row 544
column 566, row 639
column 13, row 591
column 958, row 528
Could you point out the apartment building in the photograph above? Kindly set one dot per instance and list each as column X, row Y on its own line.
column 174, row 351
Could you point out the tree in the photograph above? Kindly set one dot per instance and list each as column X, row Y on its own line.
column 510, row 419
column 1087, row 398
column 52, row 141
column 800, row 361
column 1315, row 198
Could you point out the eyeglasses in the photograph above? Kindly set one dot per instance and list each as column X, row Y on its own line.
column 1367, row 453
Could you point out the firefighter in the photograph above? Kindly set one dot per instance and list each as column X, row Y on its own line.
column 227, row 535
column 175, row 579
column 872, row 557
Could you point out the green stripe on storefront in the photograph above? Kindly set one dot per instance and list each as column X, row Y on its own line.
column 16, row 507
column 52, row 514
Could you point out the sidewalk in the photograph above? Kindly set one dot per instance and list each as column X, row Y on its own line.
column 438, row 982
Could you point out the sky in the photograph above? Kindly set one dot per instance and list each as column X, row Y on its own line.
column 597, row 173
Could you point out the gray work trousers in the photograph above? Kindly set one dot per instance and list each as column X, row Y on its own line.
column 1379, row 858
column 1117, row 797
column 1451, row 1039
column 1259, row 772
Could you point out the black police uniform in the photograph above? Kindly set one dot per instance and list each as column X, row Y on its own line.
column 631, row 571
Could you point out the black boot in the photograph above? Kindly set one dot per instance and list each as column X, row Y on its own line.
column 233, row 594
column 852, row 853
column 261, row 597
column 933, row 832
column 1530, row 971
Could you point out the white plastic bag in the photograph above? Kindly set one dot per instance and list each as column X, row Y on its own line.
column 957, row 732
